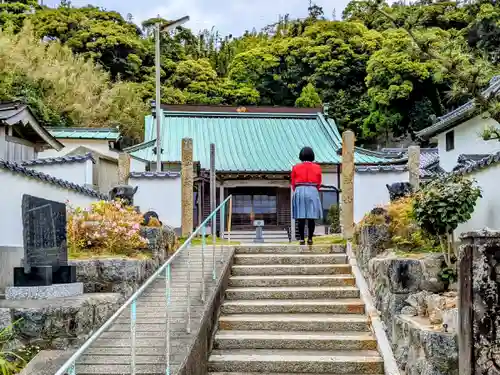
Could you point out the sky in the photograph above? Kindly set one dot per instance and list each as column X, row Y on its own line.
column 227, row 16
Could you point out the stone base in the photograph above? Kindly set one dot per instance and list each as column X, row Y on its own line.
column 44, row 276
column 43, row 292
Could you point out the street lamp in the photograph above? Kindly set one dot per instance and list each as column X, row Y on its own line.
column 158, row 30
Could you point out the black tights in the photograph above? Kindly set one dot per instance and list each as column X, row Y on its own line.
column 311, row 225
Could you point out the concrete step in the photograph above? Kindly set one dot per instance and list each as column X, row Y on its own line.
column 295, row 280
column 289, row 249
column 294, row 322
column 291, row 269
column 296, row 361
column 268, row 373
column 294, row 340
column 148, row 369
column 290, row 306
column 252, row 232
column 303, row 292
column 261, row 259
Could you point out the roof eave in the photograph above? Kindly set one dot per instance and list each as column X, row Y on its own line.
column 26, row 117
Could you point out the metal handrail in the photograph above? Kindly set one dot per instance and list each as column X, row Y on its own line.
column 165, row 268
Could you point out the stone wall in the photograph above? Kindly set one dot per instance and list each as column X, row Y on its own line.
column 420, row 316
column 58, row 323
column 123, row 275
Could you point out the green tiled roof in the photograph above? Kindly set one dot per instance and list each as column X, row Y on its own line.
column 249, row 142
column 85, row 133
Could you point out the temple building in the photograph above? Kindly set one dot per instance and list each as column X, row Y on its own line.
column 255, row 151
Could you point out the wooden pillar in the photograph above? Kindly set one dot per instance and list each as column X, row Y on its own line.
column 347, row 181
column 414, row 166
column 187, row 186
column 213, row 194
column 200, row 200
column 221, row 216
column 123, row 168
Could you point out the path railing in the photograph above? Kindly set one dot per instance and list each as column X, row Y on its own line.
column 70, row 366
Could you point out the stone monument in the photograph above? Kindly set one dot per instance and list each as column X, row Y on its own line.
column 123, row 192
column 399, row 190
column 414, row 166
column 45, row 272
column 259, row 231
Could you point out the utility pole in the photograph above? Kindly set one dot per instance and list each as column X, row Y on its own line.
column 158, row 31
column 158, row 97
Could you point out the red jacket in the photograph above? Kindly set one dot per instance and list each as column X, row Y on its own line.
column 306, row 173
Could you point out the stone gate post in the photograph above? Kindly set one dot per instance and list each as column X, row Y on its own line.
column 187, row 187
column 347, row 185
column 479, row 303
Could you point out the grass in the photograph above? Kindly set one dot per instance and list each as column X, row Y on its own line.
column 208, row 241
column 81, row 255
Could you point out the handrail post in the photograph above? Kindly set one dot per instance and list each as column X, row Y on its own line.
column 188, row 326
column 222, row 218
column 214, row 241
column 230, row 217
column 167, row 316
column 203, row 244
column 133, row 315
column 72, row 369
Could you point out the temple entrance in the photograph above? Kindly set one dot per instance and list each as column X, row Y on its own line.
column 260, row 203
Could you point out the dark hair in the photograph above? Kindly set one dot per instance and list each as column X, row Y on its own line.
column 306, row 154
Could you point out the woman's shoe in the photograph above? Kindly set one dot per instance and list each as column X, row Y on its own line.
column 302, row 243
column 309, row 242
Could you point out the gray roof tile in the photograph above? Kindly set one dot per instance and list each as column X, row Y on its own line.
column 59, row 160
column 448, row 121
column 150, row 175
column 484, row 162
column 30, row 173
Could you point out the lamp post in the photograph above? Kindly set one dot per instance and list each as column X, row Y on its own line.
column 158, row 30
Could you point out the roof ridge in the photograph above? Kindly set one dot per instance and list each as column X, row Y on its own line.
column 239, row 114
column 59, row 160
column 19, row 169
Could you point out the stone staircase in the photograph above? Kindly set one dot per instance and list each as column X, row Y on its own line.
column 270, row 236
column 292, row 309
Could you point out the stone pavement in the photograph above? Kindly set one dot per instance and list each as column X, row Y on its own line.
column 111, row 353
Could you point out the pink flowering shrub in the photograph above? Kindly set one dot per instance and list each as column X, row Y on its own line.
column 105, row 227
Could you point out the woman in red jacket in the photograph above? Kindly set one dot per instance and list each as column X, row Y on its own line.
column 306, row 181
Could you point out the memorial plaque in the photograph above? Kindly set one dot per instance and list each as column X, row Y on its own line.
column 45, row 247
column 44, row 229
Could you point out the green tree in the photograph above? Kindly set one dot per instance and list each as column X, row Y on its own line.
column 308, row 98
column 103, row 36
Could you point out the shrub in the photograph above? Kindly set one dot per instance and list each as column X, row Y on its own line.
column 405, row 233
column 106, row 227
column 442, row 205
column 334, row 218
column 10, row 362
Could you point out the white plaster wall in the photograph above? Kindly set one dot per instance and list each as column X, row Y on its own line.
column 330, row 179
column 487, row 209
column 137, row 165
column 12, row 188
column 468, row 140
column 78, row 173
column 162, row 195
column 370, row 190
column 101, row 146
